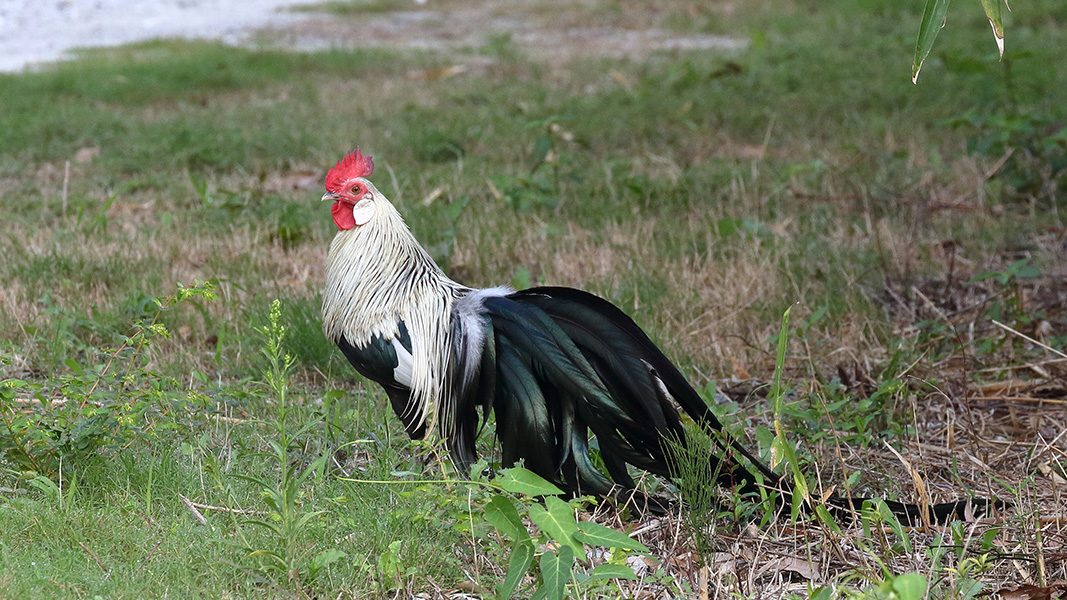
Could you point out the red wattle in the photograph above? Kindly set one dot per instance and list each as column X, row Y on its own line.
column 342, row 215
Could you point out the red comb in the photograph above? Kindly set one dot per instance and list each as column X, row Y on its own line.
column 354, row 164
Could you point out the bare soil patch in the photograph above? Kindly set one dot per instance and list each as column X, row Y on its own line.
column 552, row 31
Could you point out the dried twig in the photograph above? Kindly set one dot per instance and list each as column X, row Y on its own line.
column 95, row 559
column 192, row 508
column 151, row 554
column 237, row 511
column 1029, row 339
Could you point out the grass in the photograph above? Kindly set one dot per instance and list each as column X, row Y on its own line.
column 704, row 192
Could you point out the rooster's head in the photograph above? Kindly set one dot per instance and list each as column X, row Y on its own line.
column 352, row 195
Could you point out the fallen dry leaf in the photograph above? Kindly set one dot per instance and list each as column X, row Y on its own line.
column 800, row 566
column 1056, row 591
column 1046, row 469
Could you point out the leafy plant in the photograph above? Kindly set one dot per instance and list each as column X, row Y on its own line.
column 694, row 478
column 1031, row 150
column 552, row 556
column 94, row 408
column 288, row 558
column 1009, row 305
column 782, row 449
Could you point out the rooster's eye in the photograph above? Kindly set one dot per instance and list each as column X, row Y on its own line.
column 356, row 189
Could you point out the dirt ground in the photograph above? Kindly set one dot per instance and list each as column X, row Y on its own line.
column 552, row 31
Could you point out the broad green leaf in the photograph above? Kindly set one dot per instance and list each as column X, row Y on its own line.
column 992, row 12
column 933, row 21
column 522, row 555
column 518, row 480
column 326, row 558
column 910, row 586
column 596, row 534
column 501, row 513
column 608, row 571
column 556, row 519
column 45, row 485
column 556, row 572
column 800, row 483
column 541, row 148
column 987, row 539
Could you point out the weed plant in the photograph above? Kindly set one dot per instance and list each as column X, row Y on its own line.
column 288, row 558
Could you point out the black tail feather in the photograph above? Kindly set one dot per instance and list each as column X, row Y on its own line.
column 605, row 375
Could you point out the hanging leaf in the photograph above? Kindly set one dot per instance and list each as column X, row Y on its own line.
column 992, row 12
column 933, row 21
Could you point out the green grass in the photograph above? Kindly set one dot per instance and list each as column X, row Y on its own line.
column 704, row 193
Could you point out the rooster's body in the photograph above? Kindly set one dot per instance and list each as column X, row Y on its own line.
column 556, row 365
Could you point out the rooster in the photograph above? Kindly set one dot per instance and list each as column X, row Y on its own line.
column 557, row 366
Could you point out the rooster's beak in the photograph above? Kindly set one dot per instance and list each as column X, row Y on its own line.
column 329, row 196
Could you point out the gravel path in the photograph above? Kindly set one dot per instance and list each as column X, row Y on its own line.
column 34, row 32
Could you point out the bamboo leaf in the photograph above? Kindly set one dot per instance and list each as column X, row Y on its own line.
column 826, row 519
column 886, row 514
column 992, row 12
column 933, row 20
column 779, row 362
column 259, row 482
column 305, row 518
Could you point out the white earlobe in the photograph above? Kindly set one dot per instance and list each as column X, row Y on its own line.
column 363, row 211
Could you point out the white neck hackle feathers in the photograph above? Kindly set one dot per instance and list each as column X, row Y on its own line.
column 377, row 275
